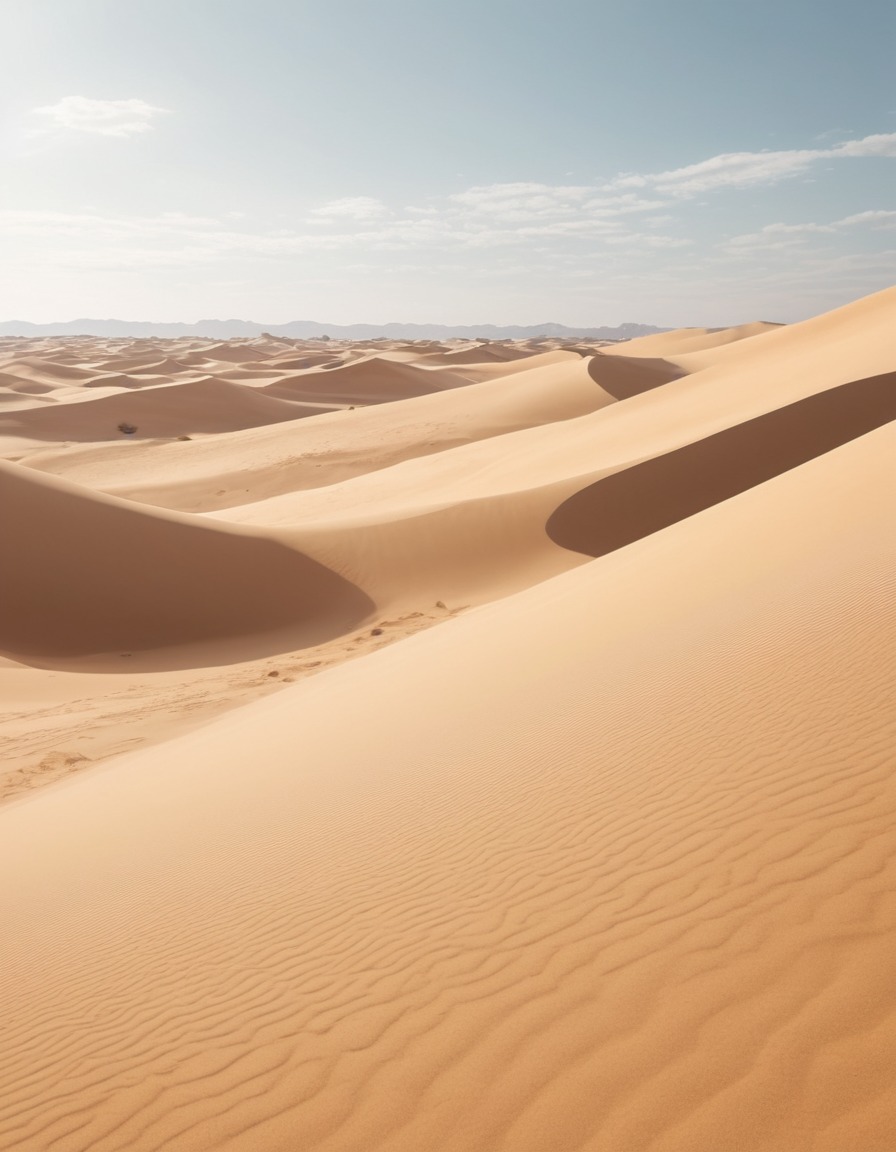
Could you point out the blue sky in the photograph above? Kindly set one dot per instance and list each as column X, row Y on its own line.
column 382, row 160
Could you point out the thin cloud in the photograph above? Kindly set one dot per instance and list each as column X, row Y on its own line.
column 98, row 117
column 452, row 227
column 746, row 169
column 884, row 144
column 649, row 240
column 876, row 217
column 352, row 208
column 778, row 235
column 176, row 237
column 518, row 202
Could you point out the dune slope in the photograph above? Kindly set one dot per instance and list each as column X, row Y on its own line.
column 647, row 497
column 86, row 574
column 643, row 888
column 204, row 405
column 208, row 474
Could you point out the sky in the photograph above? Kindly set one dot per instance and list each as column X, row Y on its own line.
column 472, row 161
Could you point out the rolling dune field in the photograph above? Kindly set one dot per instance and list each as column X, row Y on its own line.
column 459, row 747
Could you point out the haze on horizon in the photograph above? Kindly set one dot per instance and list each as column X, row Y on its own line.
column 513, row 163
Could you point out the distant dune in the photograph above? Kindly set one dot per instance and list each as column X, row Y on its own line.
column 462, row 744
column 310, row 330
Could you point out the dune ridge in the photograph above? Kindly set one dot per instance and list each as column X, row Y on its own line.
column 510, row 763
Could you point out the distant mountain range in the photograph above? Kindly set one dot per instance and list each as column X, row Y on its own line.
column 309, row 330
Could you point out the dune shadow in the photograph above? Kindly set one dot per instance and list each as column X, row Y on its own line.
column 82, row 577
column 647, row 497
column 627, row 376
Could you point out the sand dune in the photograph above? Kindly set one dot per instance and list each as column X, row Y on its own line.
column 236, row 352
column 470, row 523
column 492, row 369
column 14, row 386
column 203, row 405
column 684, row 340
column 505, row 763
column 369, row 381
column 644, row 952
column 623, row 377
column 475, row 354
column 44, row 370
column 142, row 365
column 251, row 466
column 91, row 575
column 853, row 340
column 648, row 497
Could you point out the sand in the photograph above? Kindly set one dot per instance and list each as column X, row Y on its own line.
column 457, row 747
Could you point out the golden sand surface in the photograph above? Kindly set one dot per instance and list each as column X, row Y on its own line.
column 455, row 747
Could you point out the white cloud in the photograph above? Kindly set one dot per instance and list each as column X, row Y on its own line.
column 352, row 208
column 99, row 117
column 569, row 223
column 877, row 217
column 518, row 202
column 774, row 236
column 173, row 239
column 880, row 145
column 733, row 170
column 745, row 169
column 778, row 236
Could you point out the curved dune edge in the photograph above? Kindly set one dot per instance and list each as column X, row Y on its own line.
column 684, row 340
column 624, row 507
column 638, row 895
column 478, row 546
column 86, row 575
column 244, row 467
column 855, row 343
column 468, row 525
column 368, row 381
column 624, row 378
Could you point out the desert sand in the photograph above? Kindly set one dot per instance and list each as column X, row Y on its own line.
column 450, row 747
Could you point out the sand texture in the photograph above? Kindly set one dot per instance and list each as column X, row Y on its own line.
column 462, row 747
